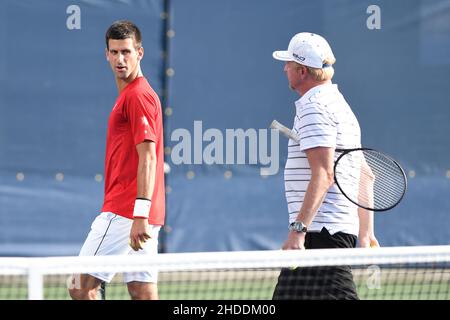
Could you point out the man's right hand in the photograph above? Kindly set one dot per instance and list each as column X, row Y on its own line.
column 295, row 241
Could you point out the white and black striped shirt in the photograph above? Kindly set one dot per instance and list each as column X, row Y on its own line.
column 323, row 119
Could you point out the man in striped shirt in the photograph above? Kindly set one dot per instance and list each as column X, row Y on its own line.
column 319, row 214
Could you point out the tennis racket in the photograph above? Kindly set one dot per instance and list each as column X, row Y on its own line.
column 368, row 178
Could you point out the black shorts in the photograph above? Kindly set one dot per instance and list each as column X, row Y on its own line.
column 319, row 283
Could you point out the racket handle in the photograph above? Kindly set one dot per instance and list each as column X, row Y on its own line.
column 284, row 130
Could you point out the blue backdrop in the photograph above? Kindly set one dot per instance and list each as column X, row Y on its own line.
column 56, row 92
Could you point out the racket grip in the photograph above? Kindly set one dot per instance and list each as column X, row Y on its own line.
column 284, row 130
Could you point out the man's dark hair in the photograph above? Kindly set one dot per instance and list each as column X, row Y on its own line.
column 124, row 29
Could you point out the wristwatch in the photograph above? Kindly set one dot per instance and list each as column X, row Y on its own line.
column 297, row 226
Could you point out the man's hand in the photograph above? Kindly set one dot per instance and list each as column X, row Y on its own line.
column 295, row 241
column 139, row 234
column 368, row 241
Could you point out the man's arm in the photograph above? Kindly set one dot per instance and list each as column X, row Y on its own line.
column 321, row 162
column 146, row 174
column 366, row 235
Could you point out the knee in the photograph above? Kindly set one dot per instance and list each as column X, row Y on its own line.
column 136, row 294
column 83, row 294
column 144, row 292
column 75, row 294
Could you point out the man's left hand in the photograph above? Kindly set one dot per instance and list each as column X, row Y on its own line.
column 368, row 241
column 139, row 234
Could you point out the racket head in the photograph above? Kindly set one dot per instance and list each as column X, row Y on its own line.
column 370, row 179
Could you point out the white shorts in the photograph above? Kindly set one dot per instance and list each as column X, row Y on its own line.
column 109, row 235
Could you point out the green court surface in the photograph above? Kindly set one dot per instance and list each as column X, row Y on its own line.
column 395, row 284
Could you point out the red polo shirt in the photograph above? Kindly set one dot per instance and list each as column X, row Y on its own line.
column 136, row 117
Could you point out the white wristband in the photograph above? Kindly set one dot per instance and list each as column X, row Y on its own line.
column 142, row 208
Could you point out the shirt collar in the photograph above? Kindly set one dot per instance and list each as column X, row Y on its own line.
column 311, row 92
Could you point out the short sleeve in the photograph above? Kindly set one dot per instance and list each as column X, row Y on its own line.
column 141, row 113
column 315, row 127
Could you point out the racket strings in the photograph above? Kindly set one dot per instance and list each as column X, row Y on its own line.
column 370, row 179
column 387, row 190
column 388, row 184
column 387, row 169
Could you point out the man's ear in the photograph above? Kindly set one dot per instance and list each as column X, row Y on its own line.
column 106, row 53
column 303, row 71
column 140, row 53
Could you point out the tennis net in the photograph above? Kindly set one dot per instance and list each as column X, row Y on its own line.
column 393, row 273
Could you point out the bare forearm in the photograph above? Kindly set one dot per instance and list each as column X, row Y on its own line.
column 365, row 222
column 146, row 177
column 315, row 193
column 366, row 185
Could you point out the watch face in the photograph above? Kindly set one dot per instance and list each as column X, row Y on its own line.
column 298, row 226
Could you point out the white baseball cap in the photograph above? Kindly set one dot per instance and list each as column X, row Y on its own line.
column 308, row 49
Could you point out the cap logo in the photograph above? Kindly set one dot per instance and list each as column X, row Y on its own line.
column 298, row 57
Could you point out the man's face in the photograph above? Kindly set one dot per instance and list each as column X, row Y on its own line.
column 123, row 57
column 293, row 74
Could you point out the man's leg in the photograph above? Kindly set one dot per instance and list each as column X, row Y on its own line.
column 143, row 290
column 84, row 287
column 337, row 281
column 143, row 285
column 108, row 236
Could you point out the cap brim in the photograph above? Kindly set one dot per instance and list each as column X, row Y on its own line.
column 282, row 55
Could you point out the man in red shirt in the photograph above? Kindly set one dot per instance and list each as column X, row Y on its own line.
column 134, row 205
